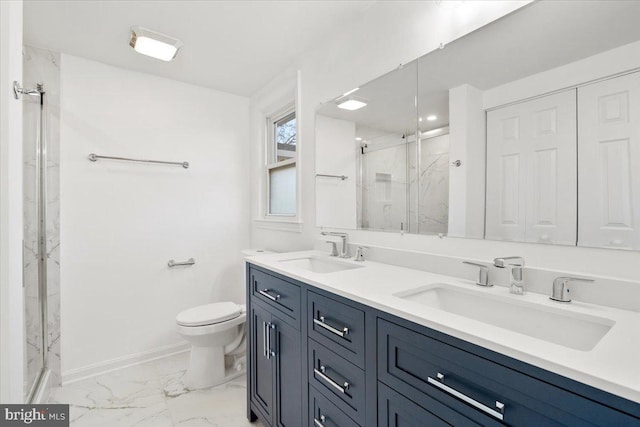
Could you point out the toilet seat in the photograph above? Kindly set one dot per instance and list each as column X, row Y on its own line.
column 209, row 314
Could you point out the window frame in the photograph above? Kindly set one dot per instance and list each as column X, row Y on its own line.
column 271, row 159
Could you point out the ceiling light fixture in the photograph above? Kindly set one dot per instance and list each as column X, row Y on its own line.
column 358, row 138
column 351, row 103
column 432, row 117
column 154, row 44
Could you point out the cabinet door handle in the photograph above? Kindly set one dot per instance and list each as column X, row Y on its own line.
column 322, row 323
column 321, row 373
column 265, row 293
column 439, row 383
column 264, row 339
column 270, row 352
column 319, row 423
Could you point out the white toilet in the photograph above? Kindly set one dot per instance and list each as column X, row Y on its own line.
column 214, row 330
column 217, row 333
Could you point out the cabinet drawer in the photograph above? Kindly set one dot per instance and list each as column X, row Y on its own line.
column 323, row 413
column 339, row 380
column 278, row 293
column 395, row 410
column 473, row 385
column 337, row 326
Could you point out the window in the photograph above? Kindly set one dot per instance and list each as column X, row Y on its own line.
column 281, row 163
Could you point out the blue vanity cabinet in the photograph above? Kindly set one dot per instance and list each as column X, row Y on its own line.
column 337, row 326
column 395, row 410
column 336, row 356
column 351, row 365
column 323, row 413
column 275, row 353
column 432, row 370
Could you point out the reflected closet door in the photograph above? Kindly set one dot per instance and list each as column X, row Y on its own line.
column 609, row 159
column 531, row 171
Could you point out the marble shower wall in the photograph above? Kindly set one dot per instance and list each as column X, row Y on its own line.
column 429, row 207
column 42, row 66
column 383, row 189
column 383, row 195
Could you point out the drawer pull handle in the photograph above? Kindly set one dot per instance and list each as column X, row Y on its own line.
column 319, row 423
column 265, row 292
column 322, row 323
column 321, row 373
column 484, row 408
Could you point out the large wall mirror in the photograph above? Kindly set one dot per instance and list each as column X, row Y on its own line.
column 525, row 130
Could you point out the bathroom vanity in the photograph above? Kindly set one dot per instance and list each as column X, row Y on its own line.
column 339, row 343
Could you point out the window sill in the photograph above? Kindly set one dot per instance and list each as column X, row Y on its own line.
column 289, row 225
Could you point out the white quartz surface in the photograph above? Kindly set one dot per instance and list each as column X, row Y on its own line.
column 612, row 365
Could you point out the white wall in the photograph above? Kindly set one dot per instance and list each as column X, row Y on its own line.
column 467, row 144
column 336, row 155
column 390, row 33
column 11, row 294
column 122, row 221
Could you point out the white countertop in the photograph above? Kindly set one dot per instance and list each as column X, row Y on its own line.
column 612, row 365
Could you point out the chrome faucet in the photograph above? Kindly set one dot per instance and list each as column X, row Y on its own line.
column 483, row 273
column 344, row 252
column 560, row 291
column 516, row 266
column 334, row 248
column 359, row 254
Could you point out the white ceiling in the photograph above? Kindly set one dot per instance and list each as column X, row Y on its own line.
column 233, row 46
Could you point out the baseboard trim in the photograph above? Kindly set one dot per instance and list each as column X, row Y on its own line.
column 100, row 368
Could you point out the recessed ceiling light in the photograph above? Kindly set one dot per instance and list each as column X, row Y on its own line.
column 432, row 117
column 154, row 44
column 358, row 138
column 351, row 103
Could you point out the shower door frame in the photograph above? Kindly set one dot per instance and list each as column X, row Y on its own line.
column 41, row 210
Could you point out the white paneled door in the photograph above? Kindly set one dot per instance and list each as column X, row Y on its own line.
column 531, row 171
column 609, row 159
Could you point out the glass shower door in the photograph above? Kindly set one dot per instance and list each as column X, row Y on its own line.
column 33, row 233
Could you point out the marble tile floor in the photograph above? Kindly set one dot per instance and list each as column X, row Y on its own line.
column 152, row 395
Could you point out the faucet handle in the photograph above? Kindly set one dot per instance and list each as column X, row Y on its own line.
column 503, row 262
column 334, row 248
column 560, row 290
column 483, row 273
column 359, row 254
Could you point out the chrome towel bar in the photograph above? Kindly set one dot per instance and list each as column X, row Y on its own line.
column 342, row 177
column 172, row 263
column 94, row 157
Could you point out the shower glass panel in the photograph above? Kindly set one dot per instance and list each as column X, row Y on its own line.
column 429, row 182
column 34, row 251
column 383, row 187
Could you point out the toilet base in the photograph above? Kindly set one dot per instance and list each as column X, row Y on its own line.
column 207, row 368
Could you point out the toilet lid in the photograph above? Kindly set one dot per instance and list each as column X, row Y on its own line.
column 209, row 314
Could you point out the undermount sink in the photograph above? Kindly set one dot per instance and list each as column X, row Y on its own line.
column 574, row 330
column 319, row 265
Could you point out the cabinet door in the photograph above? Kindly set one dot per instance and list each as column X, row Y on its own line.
column 261, row 379
column 394, row 410
column 288, row 374
column 531, row 171
column 609, row 158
